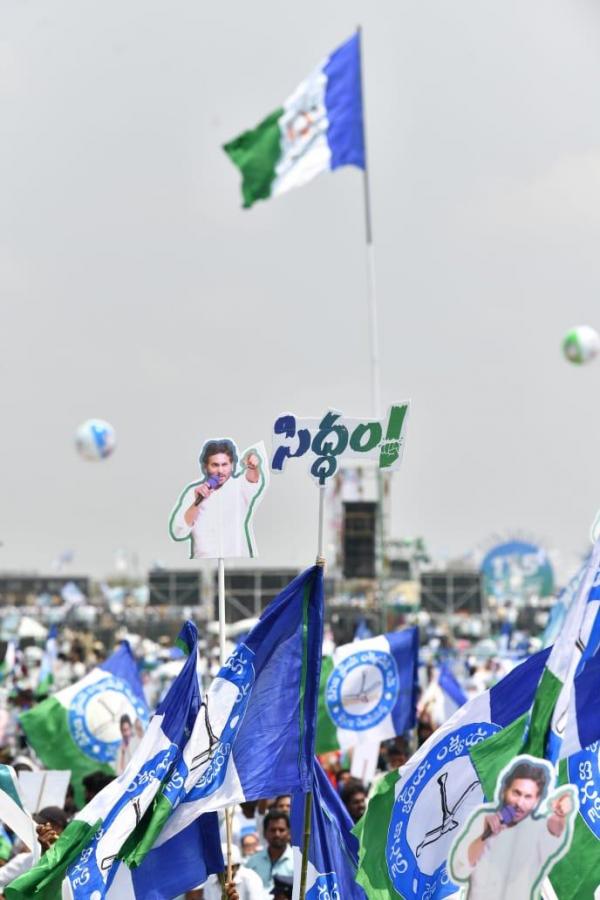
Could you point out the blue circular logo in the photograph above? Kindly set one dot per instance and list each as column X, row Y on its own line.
column 433, row 804
column 584, row 773
column 517, row 569
column 95, row 713
column 362, row 690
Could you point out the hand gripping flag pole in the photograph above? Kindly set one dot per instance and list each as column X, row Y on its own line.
column 308, row 799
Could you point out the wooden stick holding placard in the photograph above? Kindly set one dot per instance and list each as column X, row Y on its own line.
column 308, row 798
column 222, row 657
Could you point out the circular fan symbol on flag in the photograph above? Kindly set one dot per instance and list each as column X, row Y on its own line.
column 362, row 690
column 432, row 805
column 95, row 713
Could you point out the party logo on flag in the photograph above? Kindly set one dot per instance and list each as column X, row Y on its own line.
column 324, row 888
column 433, row 802
column 362, row 690
column 584, row 773
column 95, row 715
column 211, row 751
column 318, row 129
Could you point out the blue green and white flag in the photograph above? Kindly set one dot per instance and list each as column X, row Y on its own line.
column 560, row 726
column 78, row 728
column 84, row 860
column 318, row 129
column 332, row 849
column 411, row 819
column 417, row 812
column 254, row 735
column 368, row 691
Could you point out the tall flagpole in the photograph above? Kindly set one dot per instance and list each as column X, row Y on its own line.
column 380, row 535
column 371, row 281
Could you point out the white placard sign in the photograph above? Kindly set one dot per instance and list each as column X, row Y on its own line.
column 333, row 438
column 44, row 788
column 215, row 513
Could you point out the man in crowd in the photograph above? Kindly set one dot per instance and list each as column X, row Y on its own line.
column 276, row 859
column 94, row 783
column 355, row 800
column 283, row 803
column 249, row 845
column 52, row 821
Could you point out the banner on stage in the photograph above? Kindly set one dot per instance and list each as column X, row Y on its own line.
column 333, row 439
column 215, row 513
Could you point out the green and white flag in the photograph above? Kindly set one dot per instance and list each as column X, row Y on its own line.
column 319, row 128
column 79, row 728
column 368, row 691
column 564, row 725
column 417, row 812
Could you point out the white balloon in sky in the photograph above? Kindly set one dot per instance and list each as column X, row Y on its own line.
column 581, row 344
column 95, row 439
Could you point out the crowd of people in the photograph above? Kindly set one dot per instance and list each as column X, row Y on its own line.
column 259, row 853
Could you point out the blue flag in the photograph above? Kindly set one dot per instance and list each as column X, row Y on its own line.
column 254, row 734
column 332, row 850
column 175, row 866
column 451, row 687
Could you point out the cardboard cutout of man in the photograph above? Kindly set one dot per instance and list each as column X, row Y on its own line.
column 214, row 514
column 505, row 851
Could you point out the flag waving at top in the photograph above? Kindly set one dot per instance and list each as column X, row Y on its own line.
column 318, row 128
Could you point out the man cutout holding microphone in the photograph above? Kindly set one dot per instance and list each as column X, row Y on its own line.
column 507, row 850
column 214, row 513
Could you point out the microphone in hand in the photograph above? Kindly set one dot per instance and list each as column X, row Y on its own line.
column 211, row 482
column 506, row 814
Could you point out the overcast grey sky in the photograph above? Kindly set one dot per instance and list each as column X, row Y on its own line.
column 135, row 289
